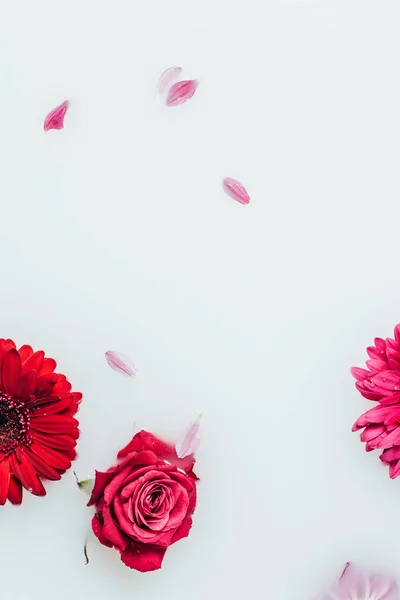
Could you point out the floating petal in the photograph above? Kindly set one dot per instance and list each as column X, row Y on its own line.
column 121, row 363
column 236, row 190
column 188, row 444
column 55, row 118
column 181, row 92
column 166, row 80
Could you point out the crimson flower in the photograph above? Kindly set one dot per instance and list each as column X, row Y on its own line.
column 380, row 382
column 37, row 430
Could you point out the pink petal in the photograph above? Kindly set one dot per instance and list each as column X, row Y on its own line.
column 236, row 190
column 166, row 80
column 359, row 584
column 121, row 363
column 181, row 92
column 55, row 118
column 188, row 444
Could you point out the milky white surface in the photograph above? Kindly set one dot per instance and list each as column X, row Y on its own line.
column 116, row 235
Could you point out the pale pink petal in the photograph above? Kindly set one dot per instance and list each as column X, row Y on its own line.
column 166, row 80
column 121, row 363
column 189, row 442
column 55, row 118
column 358, row 584
column 181, row 92
column 236, row 190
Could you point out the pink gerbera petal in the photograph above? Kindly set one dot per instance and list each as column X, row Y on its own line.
column 236, row 190
column 181, row 92
column 55, row 118
column 166, row 80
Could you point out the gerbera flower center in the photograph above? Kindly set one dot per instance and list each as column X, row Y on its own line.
column 14, row 421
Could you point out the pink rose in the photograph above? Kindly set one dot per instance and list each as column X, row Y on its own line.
column 145, row 502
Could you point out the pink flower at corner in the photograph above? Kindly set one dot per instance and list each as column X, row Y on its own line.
column 55, row 118
column 145, row 502
column 357, row 584
column 380, row 382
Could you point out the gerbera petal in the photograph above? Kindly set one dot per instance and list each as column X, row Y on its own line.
column 48, row 365
column 15, row 491
column 4, row 480
column 34, row 362
column 54, row 424
column 53, row 408
column 61, row 442
column 26, row 385
column 42, row 467
column 27, row 475
column 11, row 372
column 25, row 352
column 51, row 456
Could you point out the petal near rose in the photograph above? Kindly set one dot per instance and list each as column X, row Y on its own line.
column 111, row 531
column 97, row 528
column 101, row 482
column 147, row 441
column 143, row 557
column 183, row 530
column 116, row 483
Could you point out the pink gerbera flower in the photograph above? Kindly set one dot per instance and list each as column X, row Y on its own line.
column 357, row 584
column 380, row 382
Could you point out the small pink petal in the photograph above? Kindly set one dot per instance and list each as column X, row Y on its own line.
column 181, row 92
column 166, row 80
column 55, row 118
column 121, row 363
column 189, row 442
column 236, row 190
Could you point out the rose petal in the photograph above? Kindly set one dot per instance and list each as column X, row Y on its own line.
column 166, row 80
column 120, row 363
column 181, row 92
column 143, row 557
column 236, row 190
column 188, row 444
column 55, row 118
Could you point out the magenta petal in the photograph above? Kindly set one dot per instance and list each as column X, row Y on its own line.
column 236, row 190
column 55, row 118
column 166, row 80
column 189, row 442
column 121, row 363
column 181, row 92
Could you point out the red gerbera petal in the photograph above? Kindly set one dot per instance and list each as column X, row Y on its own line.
column 51, row 456
column 11, row 372
column 63, row 442
column 42, row 467
column 48, row 365
column 4, row 480
column 54, row 424
column 27, row 475
column 15, row 491
column 34, row 361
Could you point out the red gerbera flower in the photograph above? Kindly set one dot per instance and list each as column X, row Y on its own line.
column 381, row 382
column 37, row 430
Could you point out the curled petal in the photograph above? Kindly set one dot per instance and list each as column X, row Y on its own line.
column 121, row 363
column 236, row 190
column 181, row 92
column 166, row 80
column 55, row 118
column 188, row 444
